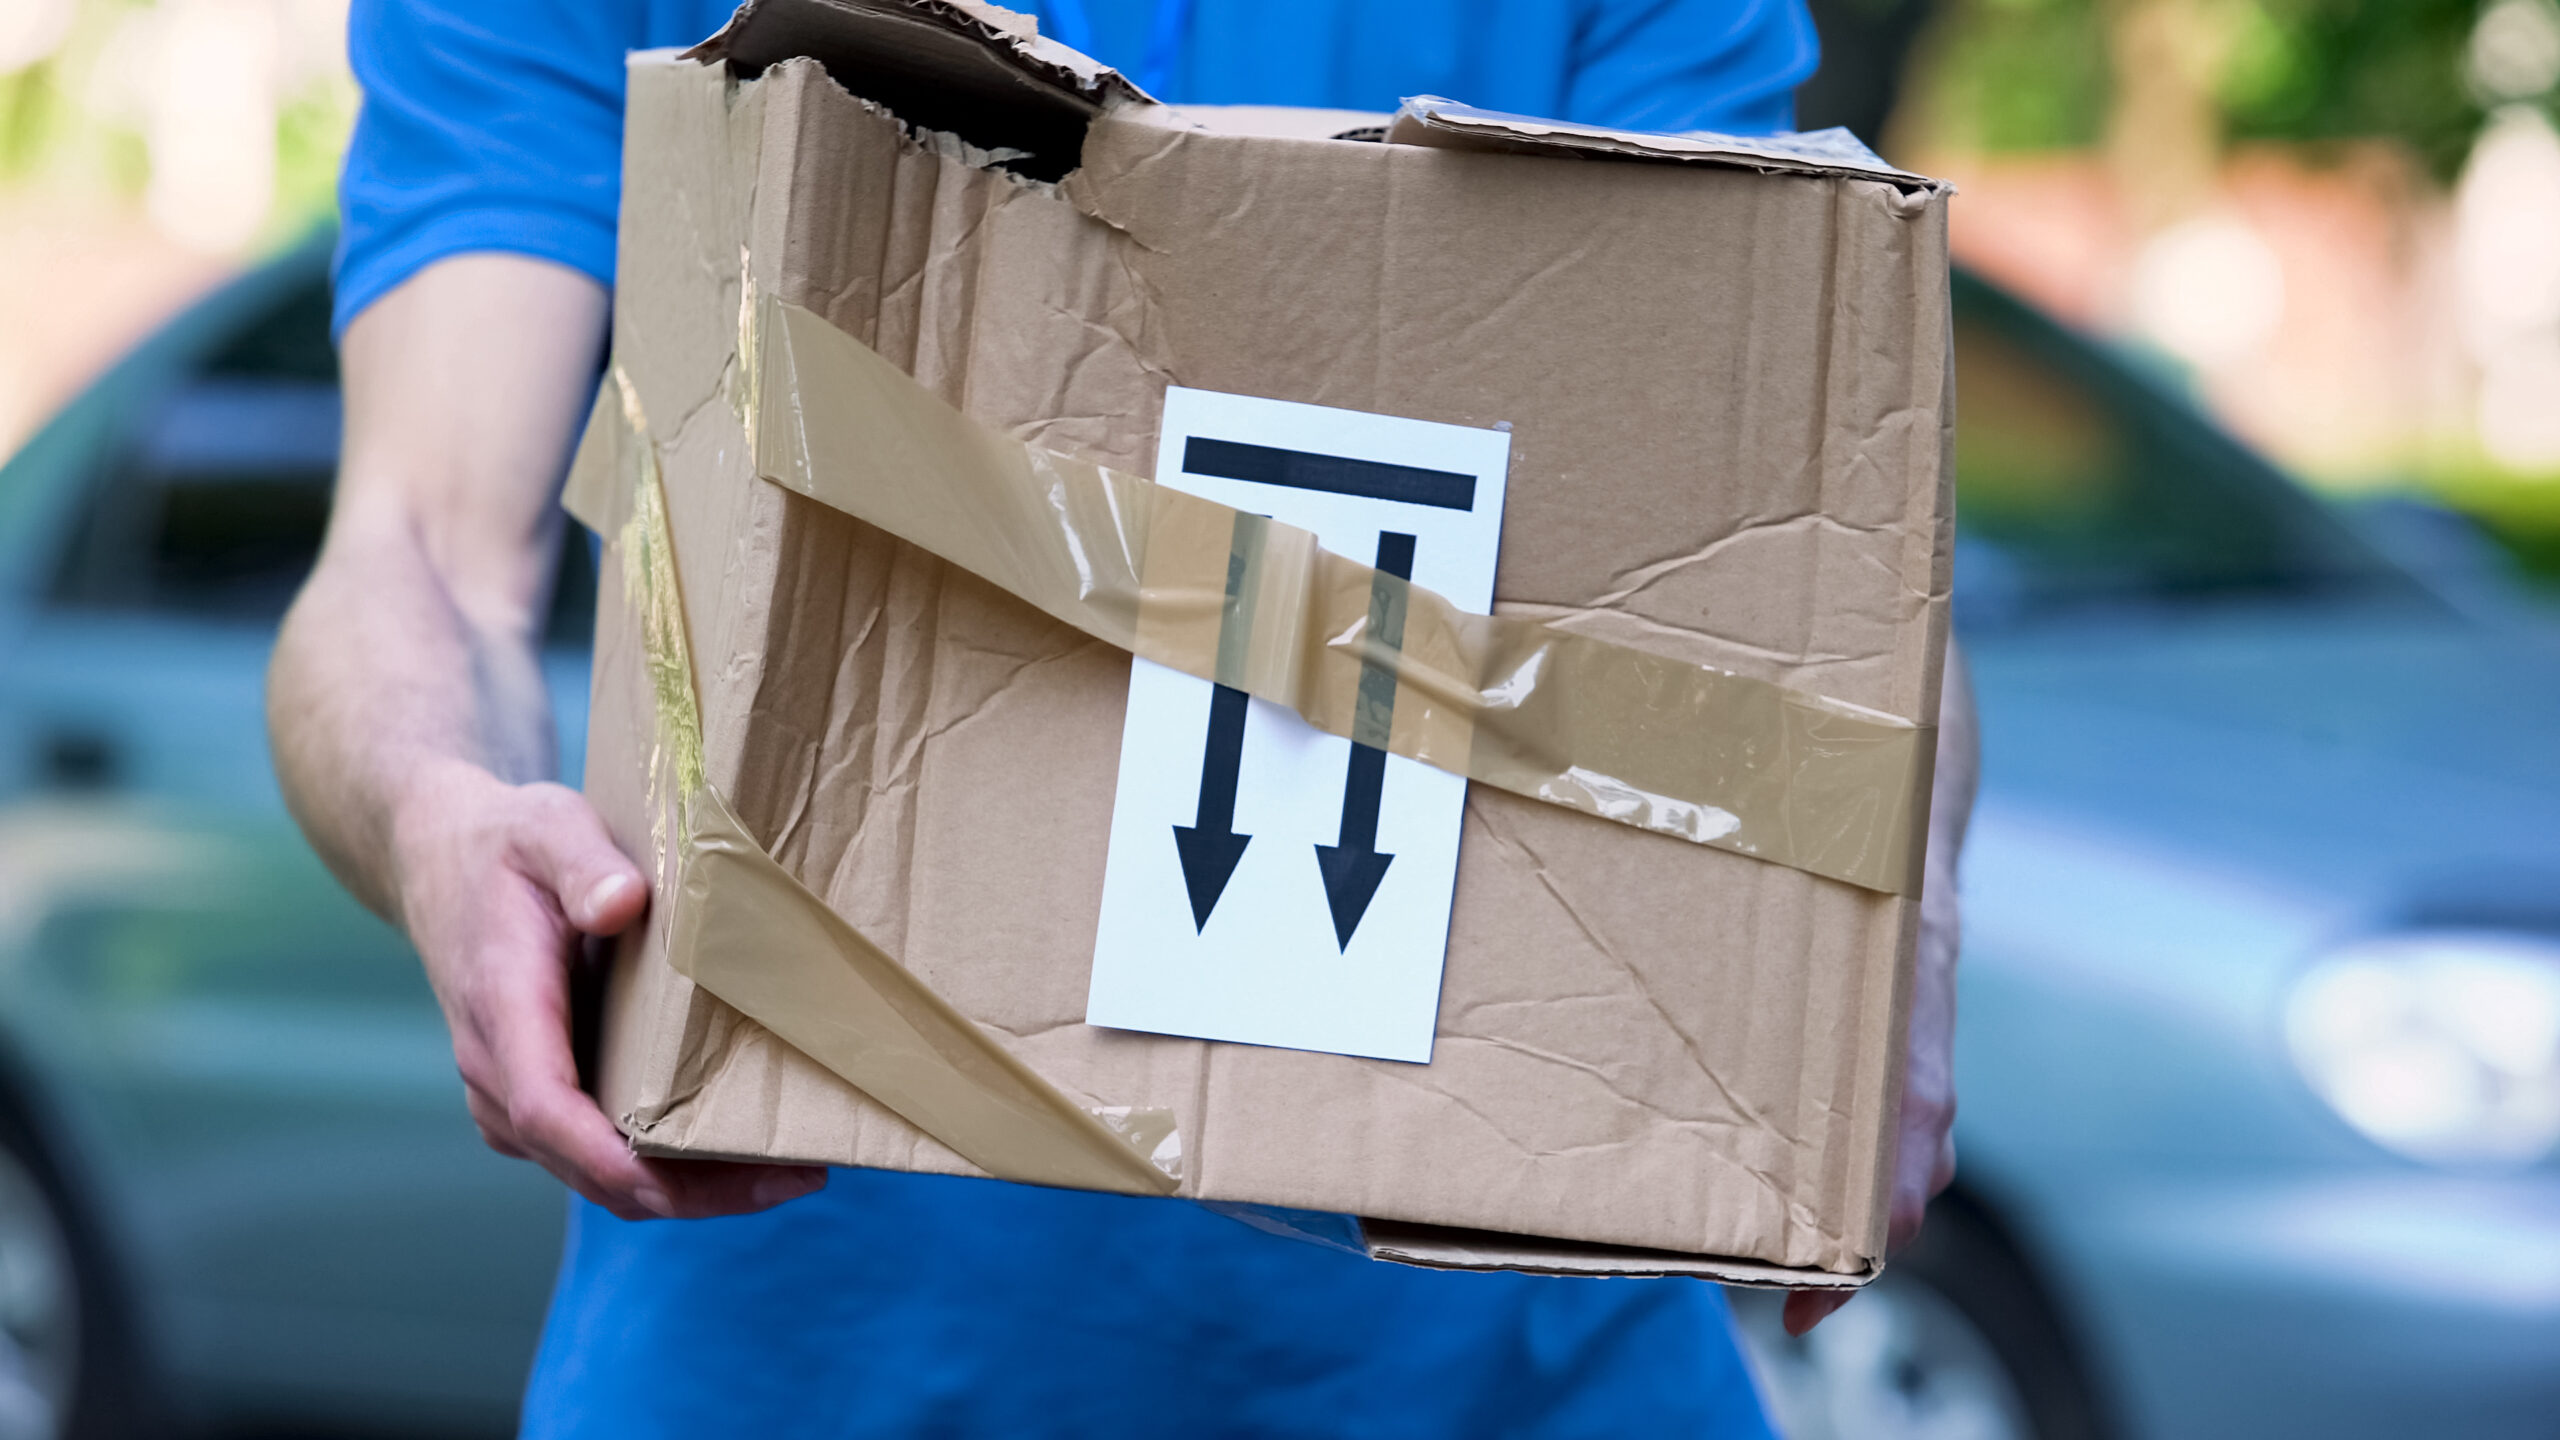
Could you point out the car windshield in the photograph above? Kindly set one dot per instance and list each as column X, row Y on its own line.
column 2081, row 483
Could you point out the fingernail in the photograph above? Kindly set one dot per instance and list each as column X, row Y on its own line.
column 606, row 891
column 654, row 1200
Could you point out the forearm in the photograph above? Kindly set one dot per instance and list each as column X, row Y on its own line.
column 408, row 717
column 410, row 659
column 381, row 680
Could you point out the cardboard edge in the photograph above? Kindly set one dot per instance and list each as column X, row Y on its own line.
column 1279, row 122
column 1933, row 320
column 1438, row 1247
column 647, row 1003
column 1438, row 123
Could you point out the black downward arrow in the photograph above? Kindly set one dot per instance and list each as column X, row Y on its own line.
column 1351, row 865
column 1209, row 845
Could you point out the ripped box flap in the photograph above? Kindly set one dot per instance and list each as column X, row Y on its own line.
column 987, row 75
column 977, row 71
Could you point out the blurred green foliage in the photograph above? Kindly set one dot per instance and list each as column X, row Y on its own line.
column 2033, row 74
column 31, row 112
column 311, row 135
column 2019, row 74
column 2026, row 75
column 2521, row 512
column 73, row 121
column 2339, row 69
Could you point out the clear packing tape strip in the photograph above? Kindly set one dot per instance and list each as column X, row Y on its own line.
column 1645, row 740
column 1224, row 595
column 743, row 928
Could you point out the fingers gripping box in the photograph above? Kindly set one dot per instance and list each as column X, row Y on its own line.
column 913, row 304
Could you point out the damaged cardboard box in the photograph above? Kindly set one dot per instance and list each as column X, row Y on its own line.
column 906, row 240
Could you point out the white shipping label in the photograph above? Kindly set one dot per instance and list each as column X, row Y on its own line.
column 1269, row 883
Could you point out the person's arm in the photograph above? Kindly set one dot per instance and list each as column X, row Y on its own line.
column 407, row 711
column 1925, row 1148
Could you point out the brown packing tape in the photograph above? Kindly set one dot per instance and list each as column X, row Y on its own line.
column 746, row 930
column 1659, row 744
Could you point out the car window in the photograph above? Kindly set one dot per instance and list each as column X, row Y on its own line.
column 2080, row 480
column 212, row 504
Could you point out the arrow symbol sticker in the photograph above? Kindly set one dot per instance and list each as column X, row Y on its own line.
column 1209, row 845
column 1352, row 866
column 1229, row 936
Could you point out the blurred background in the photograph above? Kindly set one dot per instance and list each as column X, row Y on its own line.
column 2258, row 325
column 2332, row 221
column 2329, row 220
column 147, row 151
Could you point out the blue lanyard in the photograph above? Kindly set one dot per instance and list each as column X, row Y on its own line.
column 1166, row 38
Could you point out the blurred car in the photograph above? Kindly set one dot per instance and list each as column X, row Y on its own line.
column 2259, row 1052
column 236, row 1187
column 2260, row 1060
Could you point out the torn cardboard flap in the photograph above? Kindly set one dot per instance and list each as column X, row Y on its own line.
column 976, row 71
column 1729, row 404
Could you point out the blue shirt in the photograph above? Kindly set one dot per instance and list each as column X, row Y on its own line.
column 915, row 1305
column 490, row 125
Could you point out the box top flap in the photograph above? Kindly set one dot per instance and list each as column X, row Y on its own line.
column 980, row 72
column 1431, row 120
column 987, row 75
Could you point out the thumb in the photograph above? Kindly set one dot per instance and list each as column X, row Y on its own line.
column 561, row 844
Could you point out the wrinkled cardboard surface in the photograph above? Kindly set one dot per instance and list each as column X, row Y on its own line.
column 1729, row 400
column 1611, row 730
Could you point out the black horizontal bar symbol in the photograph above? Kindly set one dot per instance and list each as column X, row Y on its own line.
column 1333, row 474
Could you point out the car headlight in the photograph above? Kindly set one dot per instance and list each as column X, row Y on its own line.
column 2442, row 1045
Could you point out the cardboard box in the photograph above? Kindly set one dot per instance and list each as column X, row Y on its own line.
column 1725, row 368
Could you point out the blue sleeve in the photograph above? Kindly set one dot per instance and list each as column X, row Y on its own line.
column 1725, row 65
column 486, row 125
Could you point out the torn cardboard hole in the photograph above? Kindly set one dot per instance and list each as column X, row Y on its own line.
column 974, row 71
